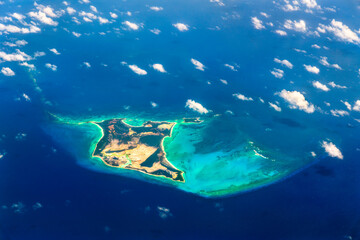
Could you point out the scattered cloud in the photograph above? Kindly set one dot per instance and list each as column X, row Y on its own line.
column 137, row 70
column 296, row 100
column 284, row 62
column 15, row 29
column 312, row 69
column 164, row 212
column 278, row 73
column 320, row 86
column 197, row 107
column 87, row 64
column 181, row 27
column 299, row 26
column 113, row 15
column 231, row 67
column 258, row 24
column 53, row 50
column 334, row 85
column 7, row 72
column 339, row 113
column 357, row 106
column 155, row 31
column 323, row 61
column 275, row 107
column 281, row 32
column 18, row 56
column 332, row 150
column 242, row 97
column 341, row 31
column 158, row 67
column 18, row 43
column 76, row 34
column 51, row 66
column 70, row 10
column 132, row 26
column 154, row 105
column 155, row 8
column 198, row 65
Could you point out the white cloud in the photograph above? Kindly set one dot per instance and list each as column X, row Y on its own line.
column 357, row 106
column 137, row 70
column 87, row 64
column 15, row 29
column 45, row 14
column 278, row 73
column 18, row 16
column 334, row 85
column 310, row 4
column 242, row 97
column 320, row 86
column 181, row 27
column 296, row 100
column 224, row 81
column 231, row 67
column 197, row 107
column 281, row 32
column 284, row 62
column 258, row 24
column 18, row 43
column 154, row 105
column 312, row 69
column 51, row 66
column 53, row 50
column 158, row 67
column 332, row 150
column 265, row 14
column 155, row 8
column 7, row 72
column 113, row 15
column 315, row 46
column 18, row 56
column 275, row 107
column 155, row 31
column 348, row 105
column 299, row 26
column 70, row 10
column 30, row 66
column 341, row 31
column 198, row 65
column 220, row 3
column 76, row 34
column 132, row 26
column 323, row 61
column 339, row 113
column 93, row 8
column 103, row 20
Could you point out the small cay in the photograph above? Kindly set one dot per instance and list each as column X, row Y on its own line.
column 137, row 148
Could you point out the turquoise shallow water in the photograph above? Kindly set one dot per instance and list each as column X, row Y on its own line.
column 212, row 167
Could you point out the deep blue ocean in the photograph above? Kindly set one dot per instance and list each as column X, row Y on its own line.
column 46, row 194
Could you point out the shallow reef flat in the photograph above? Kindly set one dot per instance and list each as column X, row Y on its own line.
column 189, row 154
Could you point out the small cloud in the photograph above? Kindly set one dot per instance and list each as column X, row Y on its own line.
column 320, row 86
column 198, row 65
column 53, row 50
column 296, row 100
column 70, row 10
column 181, row 27
column 357, row 106
column 242, row 97
column 281, row 32
column 197, row 107
column 341, row 31
column 258, row 24
column 323, row 61
column 332, row 150
column 158, row 67
column 164, row 213
column 315, row 46
column 339, row 113
column 76, row 34
column 284, row 62
column 87, row 64
column 155, row 31
column 275, row 107
column 93, row 8
column 224, row 81
column 30, row 66
column 278, row 73
column 131, row 25
column 113, row 15
column 154, row 105
column 7, row 72
column 156, row 9
column 299, row 26
column 51, row 66
column 37, row 206
column 231, row 67
column 312, row 69
column 137, row 70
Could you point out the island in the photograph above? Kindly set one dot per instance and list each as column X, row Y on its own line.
column 137, row 148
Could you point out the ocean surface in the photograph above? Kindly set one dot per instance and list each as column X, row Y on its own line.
column 51, row 188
